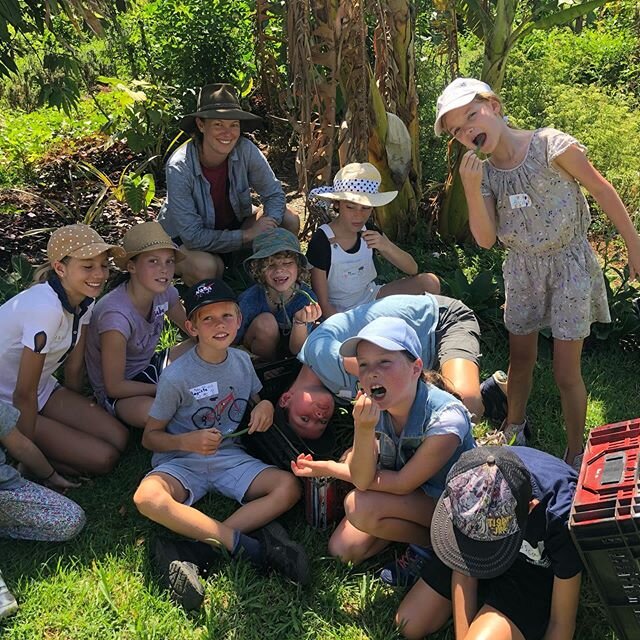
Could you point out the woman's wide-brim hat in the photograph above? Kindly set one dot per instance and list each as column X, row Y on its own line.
column 357, row 182
column 147, row 236
column 220, row 101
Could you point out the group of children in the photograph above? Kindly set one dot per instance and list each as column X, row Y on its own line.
column 489, row 524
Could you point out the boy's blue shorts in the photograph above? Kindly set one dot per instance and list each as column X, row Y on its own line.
column 229, row 471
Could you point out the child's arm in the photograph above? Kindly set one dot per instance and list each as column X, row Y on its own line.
column 482, row 211
column 25, row 395
column 364, row 455
column 321, row 288
column 304, row 466
column 430, row 457
column 261, row 417
column 156, row 439
column 299, row 331
column 464, row 592
column 564, row 607
column 74, row 365
column 113, row 348
column 391, row 252
column 178, row 316
column 575, row 163
column 26, row 452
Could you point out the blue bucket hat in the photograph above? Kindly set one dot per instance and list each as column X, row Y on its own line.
column 275, row 241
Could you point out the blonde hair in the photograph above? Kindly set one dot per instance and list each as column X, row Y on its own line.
column 44, row 271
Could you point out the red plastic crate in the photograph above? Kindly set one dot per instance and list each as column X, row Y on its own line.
column 605, row 521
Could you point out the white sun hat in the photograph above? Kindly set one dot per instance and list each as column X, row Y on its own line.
column 458, row 93
column 356, row 182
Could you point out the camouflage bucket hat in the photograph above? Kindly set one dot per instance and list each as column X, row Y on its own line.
column 272, row 242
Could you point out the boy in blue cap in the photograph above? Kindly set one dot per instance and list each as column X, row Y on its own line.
column 201, row 399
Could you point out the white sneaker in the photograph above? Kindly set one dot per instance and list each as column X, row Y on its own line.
column 516, row 434
column 8, row 604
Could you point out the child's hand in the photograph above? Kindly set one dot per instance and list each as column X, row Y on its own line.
column 304, row 466
column 471, row 171
column 366, row 412
column 633, row 258
column 376, row 240
column 203, row 441
column 261, row 417
column 60, row 483
column 310, row 313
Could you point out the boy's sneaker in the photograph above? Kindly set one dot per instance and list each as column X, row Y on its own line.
column 8, row 604
column 494, row 396
column 283, row 554
column 516, row 434
column 405, row 571
column 178, row 566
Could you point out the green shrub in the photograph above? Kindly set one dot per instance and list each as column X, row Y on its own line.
column 25, row 138
column 187, row 43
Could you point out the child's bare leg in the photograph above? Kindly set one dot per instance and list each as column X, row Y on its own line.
column 398, row 518
column 134, row 411
column 272, row 493
column 423, row 611
column 352, row 545
column 464, row 376
column 160, row 496
column 490, row 623
column 262, row 336
column 412, row 285
column 198, row 265
column 523, row 352
column 573, row 394
column 83, row 414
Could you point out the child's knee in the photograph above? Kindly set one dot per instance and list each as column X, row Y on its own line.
column 266, row 326
column 150, row 499
column 103, row 461
column 340, row 548
column 429, row 282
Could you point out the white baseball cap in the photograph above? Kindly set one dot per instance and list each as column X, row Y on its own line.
column 456, row 94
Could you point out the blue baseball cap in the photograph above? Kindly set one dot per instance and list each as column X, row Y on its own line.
column 392, row 334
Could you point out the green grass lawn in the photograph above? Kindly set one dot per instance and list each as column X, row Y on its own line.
column 101, row 585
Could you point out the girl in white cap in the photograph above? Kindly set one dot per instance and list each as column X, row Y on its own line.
column 343, row 274
column 42, row 328
column 122, row 361
column 528, row 195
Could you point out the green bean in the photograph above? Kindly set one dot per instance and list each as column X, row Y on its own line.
column 235, row 434
column 311, row 300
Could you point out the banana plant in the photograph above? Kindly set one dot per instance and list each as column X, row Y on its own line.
column 499, row 24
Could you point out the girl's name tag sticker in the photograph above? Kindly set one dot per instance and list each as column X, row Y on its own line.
column 519, row 201
column 205, row 391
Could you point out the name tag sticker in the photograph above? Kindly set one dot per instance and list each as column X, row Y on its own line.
column 205, row 391
column 345, row 393
column 519, row 200
column 160, row 309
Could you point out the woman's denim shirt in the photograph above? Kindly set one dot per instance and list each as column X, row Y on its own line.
column 188, row 211
column 429, row 404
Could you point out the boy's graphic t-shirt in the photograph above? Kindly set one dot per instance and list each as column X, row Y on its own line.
column 116, row 312
column 194, row 394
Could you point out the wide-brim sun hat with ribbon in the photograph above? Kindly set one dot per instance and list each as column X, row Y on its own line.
column 357, row 182
column 458, row 93
column 220, row 101
column 275, row 241
column 143, row 237
column 79, row 241
column 480, row 519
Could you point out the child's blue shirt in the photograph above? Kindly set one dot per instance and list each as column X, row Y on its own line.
column 434, row 412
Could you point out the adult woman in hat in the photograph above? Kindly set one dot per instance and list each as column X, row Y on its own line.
column 208, row 210
column 121, row 357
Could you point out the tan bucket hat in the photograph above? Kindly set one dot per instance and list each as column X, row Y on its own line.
column 79, row 241
column 146, row 236
column 356, row 182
